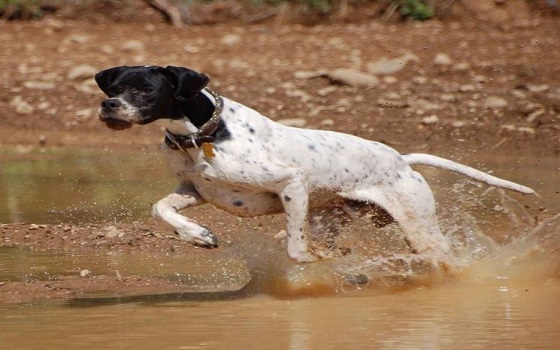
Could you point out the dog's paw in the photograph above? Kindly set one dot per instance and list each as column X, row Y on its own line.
column 201, row 236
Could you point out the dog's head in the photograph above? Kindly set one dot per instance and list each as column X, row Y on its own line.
column 140, row 95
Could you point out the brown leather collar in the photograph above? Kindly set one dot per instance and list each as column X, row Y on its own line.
column 204, row 133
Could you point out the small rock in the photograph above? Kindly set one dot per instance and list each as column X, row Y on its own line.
column 538, row 88
column 230, row 39
column 83, row 71
column 480, row 78
column 75, row 38
column 462, row 66
column 327, row 122
column 495, row 102
column 107, row 49
column 432, row 119
column 42, row 140
column 357, row 280
column 467, row 88
column 390, row 79
column 527, row 129
column 295, row 122
column 133, row 46
column 281, row 235
column 88, row 86
column 353, row 77
column 85, row 273
column 326, row 90
column 113, row 232
column 55, row 24
column 536, row 114
column 443, row 59
column 385, row 66
column 302, row 74
column 21, row 106
column 39, row 85
column 447, row 97
column 33, row 227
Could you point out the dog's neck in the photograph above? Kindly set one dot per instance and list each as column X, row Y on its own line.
column 197, row 111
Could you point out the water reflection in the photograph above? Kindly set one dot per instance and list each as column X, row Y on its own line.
column 79, row 185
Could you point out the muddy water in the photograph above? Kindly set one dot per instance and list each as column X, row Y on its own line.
column 504, row 292
column 78, row 185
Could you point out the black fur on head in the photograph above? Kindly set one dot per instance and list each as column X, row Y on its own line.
column 187, row 82
column 142, row 94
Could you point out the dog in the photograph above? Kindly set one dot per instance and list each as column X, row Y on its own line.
column 233, row 157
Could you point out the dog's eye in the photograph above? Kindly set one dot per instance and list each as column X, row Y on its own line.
column 116, row 90
column 146, row 91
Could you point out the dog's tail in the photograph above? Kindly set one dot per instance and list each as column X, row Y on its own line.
column 428, row 159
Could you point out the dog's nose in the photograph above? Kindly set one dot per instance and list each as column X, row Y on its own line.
column 111, row 104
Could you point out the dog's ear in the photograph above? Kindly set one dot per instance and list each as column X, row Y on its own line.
column 187, row 82
column 105, row 78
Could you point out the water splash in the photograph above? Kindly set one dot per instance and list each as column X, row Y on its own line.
column 492, row 234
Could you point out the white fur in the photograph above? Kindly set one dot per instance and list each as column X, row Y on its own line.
column 266, row 167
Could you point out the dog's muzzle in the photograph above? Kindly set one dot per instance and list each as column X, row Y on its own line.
column 109, row 108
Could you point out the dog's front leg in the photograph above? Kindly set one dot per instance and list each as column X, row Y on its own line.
column 295, row 199
column 167, row 209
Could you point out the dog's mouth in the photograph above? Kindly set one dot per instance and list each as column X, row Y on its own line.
column 117, row 124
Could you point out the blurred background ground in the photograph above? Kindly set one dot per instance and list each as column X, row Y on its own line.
column 452, row 77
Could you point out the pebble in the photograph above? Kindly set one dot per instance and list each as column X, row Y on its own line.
column 21, row 106
column 495, row 102
column 447, row 97
column 386, row 66
column 303, row 74
column 113, row 232
column 326, row 90
column 538, row 88
column 390, row 79
column 296, row 122
column 353, row 77
column 75, row 38
column 535, row 115
column 83, row 71
column 133, row 46
column 230, row 39
column 281, row 235
column 85, row 273
column 467, row 88
column 443, row 59
column 432, row 119
column 39, row 85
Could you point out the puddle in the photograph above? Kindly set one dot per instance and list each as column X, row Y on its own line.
column 505, row 293
column 73, row 186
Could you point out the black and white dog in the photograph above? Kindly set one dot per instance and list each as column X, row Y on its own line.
column 233, row 157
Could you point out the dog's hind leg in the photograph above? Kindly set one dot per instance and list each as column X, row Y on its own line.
column 167, row 209
column 412, row 205
column 295, row 199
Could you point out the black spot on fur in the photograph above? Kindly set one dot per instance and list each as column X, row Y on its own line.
column 222, row 133
column 238, row 203
column 287, row 198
